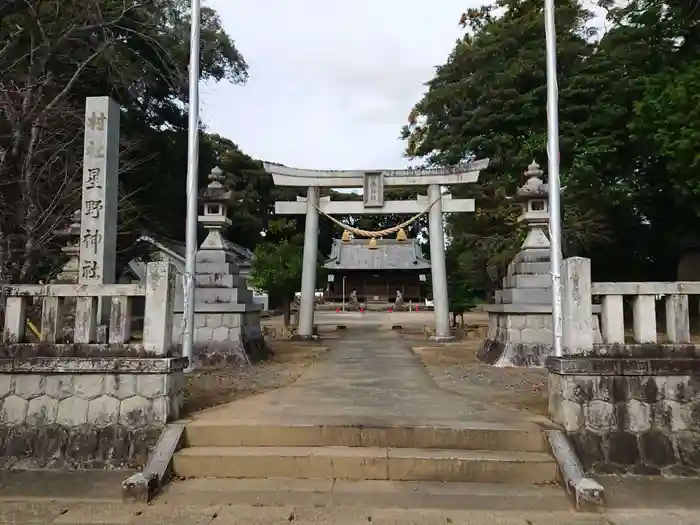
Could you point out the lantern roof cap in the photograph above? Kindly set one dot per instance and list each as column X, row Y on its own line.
column 215, row 190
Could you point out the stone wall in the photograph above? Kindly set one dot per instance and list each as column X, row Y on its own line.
column 630, row 408
column 85, row 412
column 224, row 337
column 522, row 338
column 525, row 338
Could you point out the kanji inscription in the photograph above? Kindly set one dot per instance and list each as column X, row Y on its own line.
column 98, row 224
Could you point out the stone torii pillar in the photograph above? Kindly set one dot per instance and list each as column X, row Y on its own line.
column 308, row 275
column 373, row 203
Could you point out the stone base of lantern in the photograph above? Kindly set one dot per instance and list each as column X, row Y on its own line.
column 226, row 338
column 520, row 335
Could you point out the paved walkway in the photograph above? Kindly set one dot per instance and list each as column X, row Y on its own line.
column 369, row 377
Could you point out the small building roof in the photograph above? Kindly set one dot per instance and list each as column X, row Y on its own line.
column 390, row 254
column 178, row 250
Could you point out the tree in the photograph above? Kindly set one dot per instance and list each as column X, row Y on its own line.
column 278, row 264
column 462, row 295
column 489, row 101
column 53, row 54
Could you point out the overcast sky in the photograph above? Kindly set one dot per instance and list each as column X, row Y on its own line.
column 331, row 83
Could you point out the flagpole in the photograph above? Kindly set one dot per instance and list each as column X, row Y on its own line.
column 192, row 179
column 553, row 171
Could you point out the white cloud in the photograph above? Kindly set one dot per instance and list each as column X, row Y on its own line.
column 331, row 83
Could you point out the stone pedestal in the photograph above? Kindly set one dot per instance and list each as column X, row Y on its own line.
column 227, row 320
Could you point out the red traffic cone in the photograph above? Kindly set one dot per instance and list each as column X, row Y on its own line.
column 391, row 309
column 417, row 308
column 362, row 309
column 337, row 310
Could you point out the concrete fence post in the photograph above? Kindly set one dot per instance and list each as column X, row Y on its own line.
column 158, row 316
column 577, row 306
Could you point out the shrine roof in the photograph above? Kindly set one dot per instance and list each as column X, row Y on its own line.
column 390, row 254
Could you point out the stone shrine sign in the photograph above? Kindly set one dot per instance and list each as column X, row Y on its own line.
column 98, row 223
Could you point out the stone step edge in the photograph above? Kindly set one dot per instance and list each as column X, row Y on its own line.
column 527, row 437
column 479, row 425
column 374, row 493
column 370, row 452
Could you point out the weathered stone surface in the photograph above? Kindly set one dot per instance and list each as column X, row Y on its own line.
column 151, row 386
column 88, row 386
column 6, row 385
column 55, row 446
column 600, row 416
column 103, row 411
column 72, row 412
column 29, row 386
column 58, row 386
column 42, row 410
column 642, row 424
column 638, row 416
column 136, row 412
column 622, row 448
column 14, row 410
column 120, row 386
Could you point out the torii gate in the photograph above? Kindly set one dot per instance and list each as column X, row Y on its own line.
column 373, row 183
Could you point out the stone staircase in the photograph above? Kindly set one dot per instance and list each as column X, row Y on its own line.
column 491, row 465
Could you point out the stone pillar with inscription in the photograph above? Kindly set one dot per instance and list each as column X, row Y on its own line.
column 98, row 216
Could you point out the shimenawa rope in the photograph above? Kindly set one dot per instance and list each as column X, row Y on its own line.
column 381, row 233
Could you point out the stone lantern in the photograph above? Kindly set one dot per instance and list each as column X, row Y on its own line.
column 533, row 196
column 71, row 235
column 520, row 321
column 215, row 198
column 227, row 320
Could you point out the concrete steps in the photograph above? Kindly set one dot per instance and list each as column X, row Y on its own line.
column 478, row 436
column 483, row 453
column 280, row 492
column 366, row 463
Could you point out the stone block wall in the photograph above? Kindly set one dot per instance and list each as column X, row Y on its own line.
column 517, row 339
column 224, row 337
column 86, row 412
column 630, row 409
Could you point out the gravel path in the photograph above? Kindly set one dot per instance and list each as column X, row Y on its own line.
column 455, row 367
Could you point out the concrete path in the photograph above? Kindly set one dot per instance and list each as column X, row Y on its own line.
column 73, row 514
column 54, row 497
column 369, row 377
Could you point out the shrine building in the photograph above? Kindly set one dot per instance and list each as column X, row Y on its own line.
column 376, row 270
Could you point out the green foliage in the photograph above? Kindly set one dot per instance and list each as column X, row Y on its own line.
column 278, row 262
column 628, row 102
column 54, row 53
column 462, row 295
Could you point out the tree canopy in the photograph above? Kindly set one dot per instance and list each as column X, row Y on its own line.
column 53, row 54
column 627, row 98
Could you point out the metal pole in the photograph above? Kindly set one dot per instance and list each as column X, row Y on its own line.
column 553, row 171
column 192, row 176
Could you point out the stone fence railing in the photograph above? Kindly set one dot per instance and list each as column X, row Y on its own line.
column 100, row 400
column 627, row 406
column 644, row 327
column 89, row 328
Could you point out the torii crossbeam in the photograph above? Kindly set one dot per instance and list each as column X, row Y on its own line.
column 373, row 183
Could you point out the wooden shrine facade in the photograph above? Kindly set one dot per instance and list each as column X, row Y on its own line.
column 376, row 274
